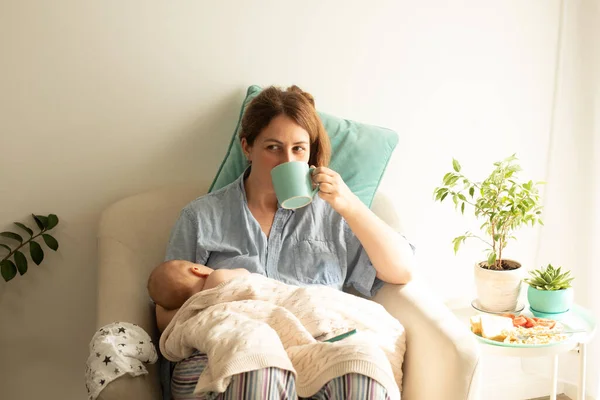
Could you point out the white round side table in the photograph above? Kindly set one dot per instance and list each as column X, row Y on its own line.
column 578, row 318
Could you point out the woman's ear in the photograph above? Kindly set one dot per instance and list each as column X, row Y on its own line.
column 246, row 149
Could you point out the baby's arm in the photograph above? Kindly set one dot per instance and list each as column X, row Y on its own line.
column 164, row 317
column 223, row 275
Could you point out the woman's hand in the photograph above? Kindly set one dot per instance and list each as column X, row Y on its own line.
column 334, row 190
column 391, row 255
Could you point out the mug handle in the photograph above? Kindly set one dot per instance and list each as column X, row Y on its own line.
column 315, row 190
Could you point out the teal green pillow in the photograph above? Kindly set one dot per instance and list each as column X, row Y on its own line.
column 359, row 153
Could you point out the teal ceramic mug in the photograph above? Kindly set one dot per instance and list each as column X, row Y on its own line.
column 293, row 184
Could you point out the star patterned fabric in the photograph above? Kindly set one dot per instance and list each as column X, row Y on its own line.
column 115, row 350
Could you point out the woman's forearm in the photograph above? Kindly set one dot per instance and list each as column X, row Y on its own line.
column 389, row 252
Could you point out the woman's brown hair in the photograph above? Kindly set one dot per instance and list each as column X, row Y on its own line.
column 295, row 104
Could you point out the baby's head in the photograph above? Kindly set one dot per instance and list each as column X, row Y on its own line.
column 173, row 282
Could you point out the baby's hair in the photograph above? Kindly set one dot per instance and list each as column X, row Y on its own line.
column 166, row 285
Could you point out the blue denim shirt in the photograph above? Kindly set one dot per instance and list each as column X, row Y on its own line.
column 308, row 246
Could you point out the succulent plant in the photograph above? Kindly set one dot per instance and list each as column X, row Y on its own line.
column 549, row 278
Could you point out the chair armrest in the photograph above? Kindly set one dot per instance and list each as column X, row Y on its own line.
column 442, row 357
column 121, row 291
column 139, row 387
column 132, row 238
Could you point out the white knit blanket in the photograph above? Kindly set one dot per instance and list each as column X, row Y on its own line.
column 254, row 322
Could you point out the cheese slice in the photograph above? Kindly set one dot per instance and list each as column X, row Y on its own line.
column 492, row 326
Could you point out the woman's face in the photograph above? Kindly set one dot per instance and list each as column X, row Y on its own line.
column 281, row 141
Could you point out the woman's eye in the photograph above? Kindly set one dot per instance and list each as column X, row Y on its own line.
column 298, row 149
column 273, row 147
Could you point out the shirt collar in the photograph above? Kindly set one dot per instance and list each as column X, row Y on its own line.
column 242, row 188
column 240, row 184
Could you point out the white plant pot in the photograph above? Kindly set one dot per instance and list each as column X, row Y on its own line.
column 498, row 291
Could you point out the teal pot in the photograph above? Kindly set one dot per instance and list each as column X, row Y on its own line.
column 550, row 301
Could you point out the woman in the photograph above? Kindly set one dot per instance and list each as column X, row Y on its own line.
column 336, row 240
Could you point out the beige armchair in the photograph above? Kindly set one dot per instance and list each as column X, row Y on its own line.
column 441, row 359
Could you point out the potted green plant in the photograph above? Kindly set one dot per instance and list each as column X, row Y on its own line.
column 504, row 204
column 549, row 290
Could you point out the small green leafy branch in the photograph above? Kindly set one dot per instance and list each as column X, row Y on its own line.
column 500, row 201
column 9, row 268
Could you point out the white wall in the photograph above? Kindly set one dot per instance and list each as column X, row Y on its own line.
column 100, row 100
column 570, row 236
column 594, row 238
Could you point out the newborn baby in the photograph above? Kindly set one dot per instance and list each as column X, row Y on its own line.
column 173, row 282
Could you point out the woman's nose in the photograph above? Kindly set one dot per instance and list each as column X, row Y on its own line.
column 288, row 156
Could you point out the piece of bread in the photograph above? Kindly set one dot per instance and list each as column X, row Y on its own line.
column 494, row 327
column 476, row 324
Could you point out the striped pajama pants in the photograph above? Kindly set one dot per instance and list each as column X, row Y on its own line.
column 269, row 384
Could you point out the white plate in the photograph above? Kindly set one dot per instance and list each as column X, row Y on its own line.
column 475, row 304
column 521, row 345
